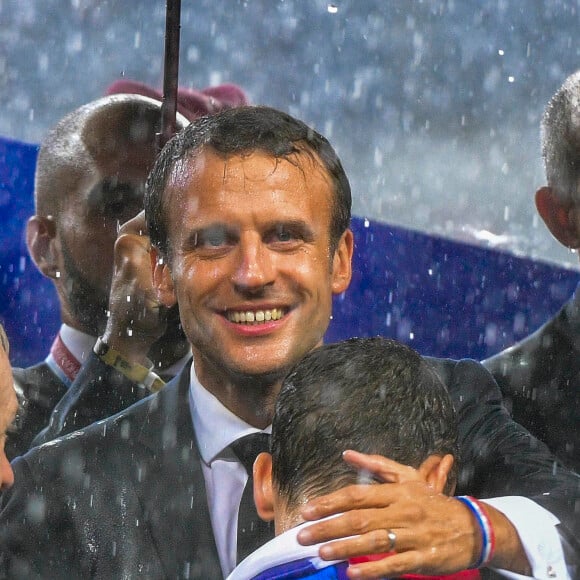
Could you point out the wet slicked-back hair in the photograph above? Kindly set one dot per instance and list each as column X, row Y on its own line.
column 103, row 129
column 373, row 395
column 560, row 133
column 240, row 131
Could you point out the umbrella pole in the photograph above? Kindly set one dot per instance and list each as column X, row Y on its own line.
column 170, row 72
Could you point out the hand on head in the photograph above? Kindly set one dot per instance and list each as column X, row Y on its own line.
column 434, row 533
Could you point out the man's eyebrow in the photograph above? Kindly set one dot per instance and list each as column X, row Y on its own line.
column 296, row 225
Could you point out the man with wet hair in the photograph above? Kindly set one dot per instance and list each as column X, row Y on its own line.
column 540, row 376
column 248, row 213
column 372, row 395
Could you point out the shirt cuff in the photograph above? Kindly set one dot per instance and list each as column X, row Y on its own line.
column 536, row 528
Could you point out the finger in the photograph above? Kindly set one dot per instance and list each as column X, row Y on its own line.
column 136, row 225
column 349, row 524
column 382, row 468
column 349, row 498
column 375, row 542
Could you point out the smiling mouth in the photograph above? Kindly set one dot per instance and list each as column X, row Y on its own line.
column 254, row 317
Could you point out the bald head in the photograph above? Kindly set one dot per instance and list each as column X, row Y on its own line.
column 90, row 179
column 103, row 136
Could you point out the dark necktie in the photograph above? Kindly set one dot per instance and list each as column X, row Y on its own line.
column 252, row 531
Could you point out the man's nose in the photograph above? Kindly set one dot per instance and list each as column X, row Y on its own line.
column 255, row 268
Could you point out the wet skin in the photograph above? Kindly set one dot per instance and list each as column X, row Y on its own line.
column 8, row 408
column 249, row 238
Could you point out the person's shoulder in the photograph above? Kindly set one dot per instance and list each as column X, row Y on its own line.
column 549, row 340
column 38, row 390
column 467, row 380
column 450, row 369
column 112, row 435
column 38, row 384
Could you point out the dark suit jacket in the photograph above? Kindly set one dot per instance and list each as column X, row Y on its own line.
column 126, row 497
column 39, row 390
column 99, row 391
column 540, row 379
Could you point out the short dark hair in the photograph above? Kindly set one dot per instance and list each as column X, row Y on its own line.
column 560, row 132
column 373, row 395
column 238, row 131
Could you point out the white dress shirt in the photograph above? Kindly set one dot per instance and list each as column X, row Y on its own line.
column 79, row 344
column 225, row 477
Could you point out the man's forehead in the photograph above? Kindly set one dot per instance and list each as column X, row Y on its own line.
column 255, row 165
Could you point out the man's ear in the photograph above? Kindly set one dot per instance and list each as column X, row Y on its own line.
column 436, row 470
column 263, row 492
column 560, row 216
column 342, row 263
column 162, row 280
column 41, row 242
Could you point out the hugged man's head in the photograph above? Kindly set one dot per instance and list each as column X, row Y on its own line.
column 371, row 395
column 249, row 212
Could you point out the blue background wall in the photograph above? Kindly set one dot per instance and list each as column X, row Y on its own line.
column 442, row 297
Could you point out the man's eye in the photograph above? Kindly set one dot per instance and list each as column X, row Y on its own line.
column 212, row 238
column 282, row 234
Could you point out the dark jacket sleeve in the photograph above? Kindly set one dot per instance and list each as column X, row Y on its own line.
column 99, row 391
column 38, row 390
column 540, row 381
column 498, row 457
column 64, row 518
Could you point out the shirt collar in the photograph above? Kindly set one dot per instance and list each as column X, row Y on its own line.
column 78, row 343
column 215, row 426
column 281, row 549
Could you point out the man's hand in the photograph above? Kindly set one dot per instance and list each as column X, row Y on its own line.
column 435, row 534
column 136, row 318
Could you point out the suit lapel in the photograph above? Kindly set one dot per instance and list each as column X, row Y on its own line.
column 171, row 487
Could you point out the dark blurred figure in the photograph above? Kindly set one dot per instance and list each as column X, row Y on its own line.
column 8, row 408
column 540, row 376
column 89, row 180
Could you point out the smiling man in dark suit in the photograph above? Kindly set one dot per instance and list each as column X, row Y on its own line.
column 248, row 212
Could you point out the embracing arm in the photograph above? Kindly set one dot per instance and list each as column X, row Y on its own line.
column 437, row 534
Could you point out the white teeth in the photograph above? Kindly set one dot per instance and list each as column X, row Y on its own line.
column 255, row 317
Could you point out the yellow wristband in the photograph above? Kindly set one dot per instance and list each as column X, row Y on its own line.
column 134, row 372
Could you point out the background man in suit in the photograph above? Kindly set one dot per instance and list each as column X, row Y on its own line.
column 372, row 395
column 540, row 375
column 248, row 213
column 90, row 178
